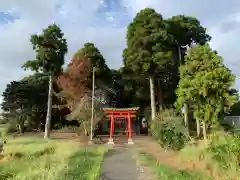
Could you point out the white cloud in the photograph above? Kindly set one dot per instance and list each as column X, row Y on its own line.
column 104, row 23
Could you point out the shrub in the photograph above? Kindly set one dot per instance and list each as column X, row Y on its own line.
column 4, row 132
column 225, row 150
column 12, row 127
column 169, row 131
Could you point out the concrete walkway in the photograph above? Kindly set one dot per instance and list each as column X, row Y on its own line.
column 119, row 164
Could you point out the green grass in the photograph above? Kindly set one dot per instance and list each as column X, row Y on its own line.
column 220, row 153
column 33, row 158
column 164, row 172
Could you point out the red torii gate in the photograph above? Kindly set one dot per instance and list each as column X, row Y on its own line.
column 128, row 113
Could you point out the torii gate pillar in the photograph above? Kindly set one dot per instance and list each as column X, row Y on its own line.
column 127, row 113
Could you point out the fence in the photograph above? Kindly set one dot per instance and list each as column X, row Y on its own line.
column 233, row 121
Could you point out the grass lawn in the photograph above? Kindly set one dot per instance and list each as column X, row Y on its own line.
column 33, row 158
column 164, row 172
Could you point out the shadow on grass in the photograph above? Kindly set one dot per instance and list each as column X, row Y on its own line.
column 83, row 165
column 35, row 155
column 6, row 176
column 26, row 142
column 45, row 151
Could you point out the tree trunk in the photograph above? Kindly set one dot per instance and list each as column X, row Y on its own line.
column 20, row 128
column 186, row 115
column 198, row 127
column 204, row 130
column 152, row 95
column 176, row 65
column 160, row 95
column 179, row 55
column 85, row 129
column 49, row 108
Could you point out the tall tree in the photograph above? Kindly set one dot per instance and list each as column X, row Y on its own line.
column 235, row 110
column 146, row 52
column 97, row 61
column 15, row 103
column 25, row 99
column 184, row 31
column 205, row 82
column 102, row 72
column 134, row 88
column 76, row 83
column 50, row 47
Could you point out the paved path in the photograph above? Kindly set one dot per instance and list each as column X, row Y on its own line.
column 119, row 164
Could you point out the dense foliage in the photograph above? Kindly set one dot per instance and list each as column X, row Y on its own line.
column 155, row 48
column 204, row 83
column 76, row 85
column 51, row 48
column 225, row 150
column 24, row 103
column 154, row 55
column 182, row 86
column 146, row 37
column 169, row 131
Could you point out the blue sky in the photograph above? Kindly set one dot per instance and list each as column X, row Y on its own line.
column 104, row 22
column 7, row 17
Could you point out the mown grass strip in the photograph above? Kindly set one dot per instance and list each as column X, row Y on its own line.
column 84, row 164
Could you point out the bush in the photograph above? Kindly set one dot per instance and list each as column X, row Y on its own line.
column 12, row 127
column 225, row 150
column 169, row 131
column 4, row 132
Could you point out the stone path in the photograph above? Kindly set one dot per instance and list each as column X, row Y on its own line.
column 119, row 164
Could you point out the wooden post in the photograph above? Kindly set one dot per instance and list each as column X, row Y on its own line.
column 110, row 141
column 130, row 141
column 126, row 126
column 113, row 125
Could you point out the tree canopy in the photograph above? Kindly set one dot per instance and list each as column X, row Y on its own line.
column 26, row 97
column 186, row 31
column 50, row 48
column 146, row 39
column 76, row 84
column 205, row 81
column 154, row 55
column 76, row 79
column 156, row 47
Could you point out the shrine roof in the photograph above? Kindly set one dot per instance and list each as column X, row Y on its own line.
column 121, row 109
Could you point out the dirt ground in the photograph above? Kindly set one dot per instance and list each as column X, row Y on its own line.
column 170, row 158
